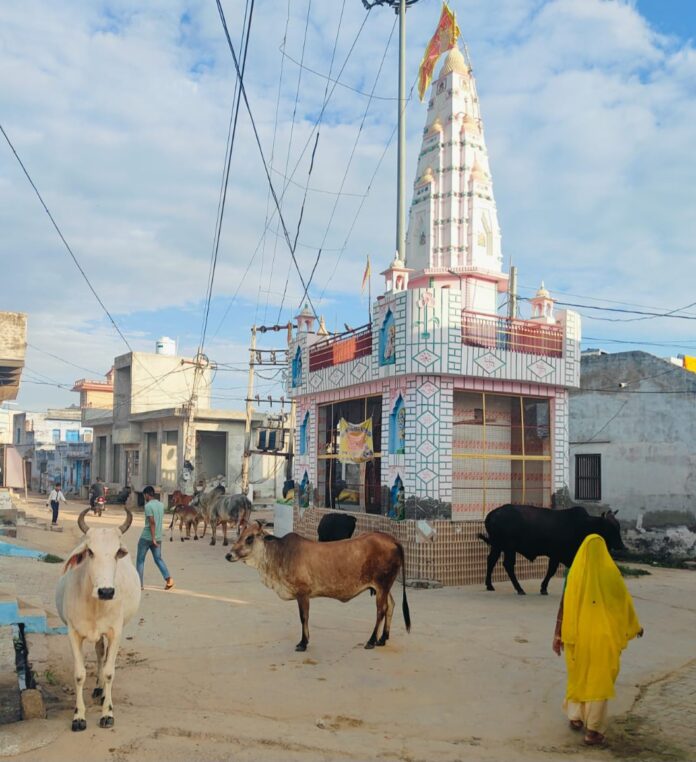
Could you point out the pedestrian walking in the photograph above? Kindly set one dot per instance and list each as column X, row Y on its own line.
column 151, row 538
column 55, row 498
column 595, row 622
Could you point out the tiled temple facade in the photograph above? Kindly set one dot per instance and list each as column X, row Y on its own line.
column 469, row 409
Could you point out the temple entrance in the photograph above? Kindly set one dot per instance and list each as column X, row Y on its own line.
column 349, row 474
column 501, row 452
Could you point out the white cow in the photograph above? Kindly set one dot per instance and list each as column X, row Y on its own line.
column 97, row 594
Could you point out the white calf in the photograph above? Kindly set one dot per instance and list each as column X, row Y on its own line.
column 97, row 594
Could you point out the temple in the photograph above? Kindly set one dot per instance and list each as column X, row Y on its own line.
column 441, row 408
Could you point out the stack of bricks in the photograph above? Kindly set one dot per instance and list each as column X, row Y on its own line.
column 455, row 556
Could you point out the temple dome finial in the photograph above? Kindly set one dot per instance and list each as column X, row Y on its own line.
column 454, row 61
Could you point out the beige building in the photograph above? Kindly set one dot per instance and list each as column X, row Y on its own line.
column 99, row 394
column 141, row 440
column 13, row 345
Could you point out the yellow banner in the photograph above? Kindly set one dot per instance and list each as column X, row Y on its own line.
column 445, row 37
column 355, row 441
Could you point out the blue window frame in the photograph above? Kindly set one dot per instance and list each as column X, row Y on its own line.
column 55, row 435
column 72, row 435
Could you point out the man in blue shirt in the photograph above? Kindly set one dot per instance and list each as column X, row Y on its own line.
column 151, row 538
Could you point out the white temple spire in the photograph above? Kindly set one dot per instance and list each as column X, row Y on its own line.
column 453, row 233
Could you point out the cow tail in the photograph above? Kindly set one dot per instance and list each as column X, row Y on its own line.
column 404, row 602
column 483, row 537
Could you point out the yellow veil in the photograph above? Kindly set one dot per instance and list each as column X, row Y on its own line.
column 598, row 621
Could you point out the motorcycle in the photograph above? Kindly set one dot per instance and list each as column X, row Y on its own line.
column 99, row 506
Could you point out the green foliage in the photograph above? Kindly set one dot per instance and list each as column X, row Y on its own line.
column 50, row 558
column 631, row 571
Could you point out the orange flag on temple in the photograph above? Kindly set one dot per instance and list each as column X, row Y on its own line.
column 445, row 37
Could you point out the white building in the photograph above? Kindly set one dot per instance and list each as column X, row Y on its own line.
column 142, row 439
column 55, row 447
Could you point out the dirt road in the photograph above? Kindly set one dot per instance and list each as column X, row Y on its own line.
column 208, row 671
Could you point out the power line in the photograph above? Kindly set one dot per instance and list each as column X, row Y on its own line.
column 345, row 194
column 601, row 299
column 65, row 243
column 335, row 81
column 70, row 251
column 362, row 202
column 287, row 156
column 289, row 178
column 62, row 359
column 258, row 141
column 236, row 100
column 352, row 154
column 671, row 313
column 668, row 344
column 311, row 167
column 272, row 159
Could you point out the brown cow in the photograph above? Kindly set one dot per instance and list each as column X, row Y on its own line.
column 188, row 515
column 302, row 569
column 185, row 513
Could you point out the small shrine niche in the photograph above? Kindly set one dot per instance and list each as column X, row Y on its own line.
column 397, row 502
column 397, row 428
column 387, row 340
column 297, row 368
column 303, row 492
column 304, row 435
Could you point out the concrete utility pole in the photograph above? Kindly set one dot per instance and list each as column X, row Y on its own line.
column 399, row 7
column 512, row 290
column 249, row 413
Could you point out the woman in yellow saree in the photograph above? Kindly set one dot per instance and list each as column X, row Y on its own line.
column 596, row 619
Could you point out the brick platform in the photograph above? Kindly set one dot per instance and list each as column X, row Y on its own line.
column 456, row 556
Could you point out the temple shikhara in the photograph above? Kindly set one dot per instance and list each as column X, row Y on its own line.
column 442, row 408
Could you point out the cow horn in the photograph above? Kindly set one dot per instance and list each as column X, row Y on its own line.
column 81, row 521
column 261, row 523
column 129, row 520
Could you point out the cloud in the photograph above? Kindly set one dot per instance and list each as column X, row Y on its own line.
column 121, row 110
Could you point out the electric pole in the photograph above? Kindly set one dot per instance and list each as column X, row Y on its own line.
column 512, row 300
column 249, row 413
column 399, row 7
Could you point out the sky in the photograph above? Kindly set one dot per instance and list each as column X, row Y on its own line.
column 120, row 111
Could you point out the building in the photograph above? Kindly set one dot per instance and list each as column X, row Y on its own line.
column 13, row 344
column 55, row 446
column 141, row 440
column 456, row 408
column 6, row 423
column 96, row 394
column 633, row 437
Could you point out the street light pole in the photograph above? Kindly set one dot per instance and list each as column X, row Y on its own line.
column 399, row 7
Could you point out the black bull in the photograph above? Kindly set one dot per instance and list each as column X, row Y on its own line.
column 537, row 532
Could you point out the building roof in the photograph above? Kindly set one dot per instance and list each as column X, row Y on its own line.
column 64, row 414
column 634, row 372
column 88, row 385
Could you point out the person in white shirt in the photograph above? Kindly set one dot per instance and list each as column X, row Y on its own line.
column 54, row 500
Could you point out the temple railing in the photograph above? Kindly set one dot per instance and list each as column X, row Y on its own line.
column 512, row 335
column 335, row 350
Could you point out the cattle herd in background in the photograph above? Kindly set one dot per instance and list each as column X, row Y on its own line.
column 99, row 590
column 213, row 507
